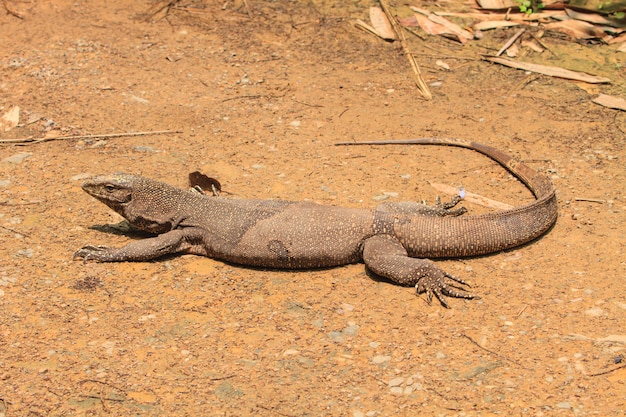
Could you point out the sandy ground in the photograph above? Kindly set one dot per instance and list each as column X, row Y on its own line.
column 258, row 100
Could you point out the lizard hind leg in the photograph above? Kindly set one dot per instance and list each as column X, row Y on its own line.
column 385, row 256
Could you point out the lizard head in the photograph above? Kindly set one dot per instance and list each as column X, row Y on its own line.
column 114, row 190
column 147, row 204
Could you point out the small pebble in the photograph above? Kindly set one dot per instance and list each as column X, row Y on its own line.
column 17, row 158
column 396, row 382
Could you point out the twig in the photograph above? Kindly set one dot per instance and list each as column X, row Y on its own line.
column 492, row 352
column 247, row 6
column 25, row 203
column 609, row 371
column 100, row 136
column 11, row 12
column 101, row 398
column 524, row 83
column 417, row 74
column 617, row 125
column 84, row 381
column 160, row 7
column 307, row 104
column 221, row 378
column 253, row 96
column 542, row 43
column 590, row 200
column 273, row 410
column 14, row 231
column 511, row 41
column 440, row 56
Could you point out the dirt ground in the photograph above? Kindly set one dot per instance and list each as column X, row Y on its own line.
column 258, row 95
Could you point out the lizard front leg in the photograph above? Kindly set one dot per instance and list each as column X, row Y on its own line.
column 385, row 256
column 174, row 241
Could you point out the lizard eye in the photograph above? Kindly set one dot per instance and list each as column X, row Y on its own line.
column 109, row 188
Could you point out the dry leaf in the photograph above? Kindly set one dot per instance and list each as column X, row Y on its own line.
column 381, row 24
column 10, row 119
column 578, row 29
column 204, row 183
column 497, row 4
column 453, row 28
column 533, row 45
column 433, row 28
column 408, row 22
column 611, row 102
column 620, row 38
column 593, row 18
column 512, row 51
column 548, row 70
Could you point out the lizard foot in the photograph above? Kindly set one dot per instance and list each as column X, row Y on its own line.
column 445, row 209
column 91, row 252
column 433, row 282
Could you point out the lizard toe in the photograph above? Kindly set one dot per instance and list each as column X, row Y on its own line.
column 434, row 283
column 89, row 252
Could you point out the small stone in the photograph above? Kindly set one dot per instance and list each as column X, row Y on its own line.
column 295, row 123
column 380, row 197
column 258, row 166
column 396, row 382
column 336, row 337
column 350, row 330
column 319, row 323
column 380, row 359
column 397, row 390
column 17, row 158
column 28, row 253
column 146, row 149
column 594, row 312
column 81, row 177
column 347, row 307
column 564, row 405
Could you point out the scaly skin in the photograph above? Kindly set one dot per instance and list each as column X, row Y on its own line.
column 391, row 240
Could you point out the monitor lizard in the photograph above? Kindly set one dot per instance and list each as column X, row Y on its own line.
column 394, row 240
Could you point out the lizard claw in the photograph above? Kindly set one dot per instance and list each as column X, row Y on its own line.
column 434, row 283
column 90, row 252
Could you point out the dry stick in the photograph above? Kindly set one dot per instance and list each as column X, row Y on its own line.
column 543, row 45
column 421, row 84
column 247, row 6
column 101, row 136
column 11, row 12
column 589, row 200
column 511, row 41
column 609, row 371
column 492, row 352
column 14, row 231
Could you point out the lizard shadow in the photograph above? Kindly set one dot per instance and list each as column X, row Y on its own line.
column 122, row 228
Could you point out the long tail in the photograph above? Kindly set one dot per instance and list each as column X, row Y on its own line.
column 485, row 233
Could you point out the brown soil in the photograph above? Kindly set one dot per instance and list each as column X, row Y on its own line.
column 259, row 100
